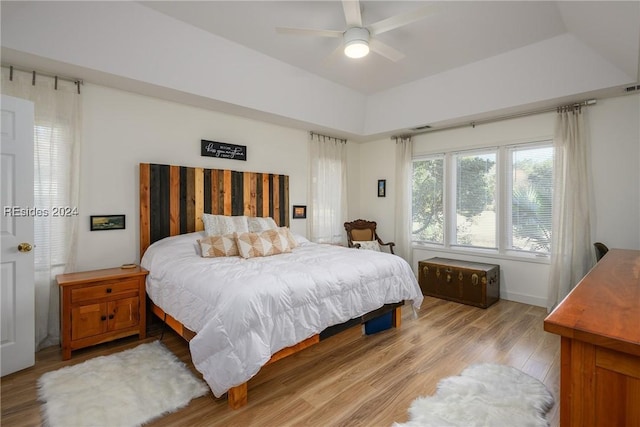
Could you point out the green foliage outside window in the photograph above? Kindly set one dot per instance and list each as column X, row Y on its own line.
column 531, row 205
column 530, row 192
column 475, row 185
column 428, row 209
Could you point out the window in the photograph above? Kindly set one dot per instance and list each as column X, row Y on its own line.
column 328, row 189
column 475, row 200
column 57, row 139
column 531, row 185
column 428, row 200
column 52, row 189
column 496, row 199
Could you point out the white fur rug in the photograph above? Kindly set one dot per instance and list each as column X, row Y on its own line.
column 484, row 395
column 123, row 389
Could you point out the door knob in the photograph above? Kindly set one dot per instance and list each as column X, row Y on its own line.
column 25, row 247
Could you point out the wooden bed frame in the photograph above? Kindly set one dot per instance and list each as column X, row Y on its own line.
column 237, row 396
column 172, row 201
column 173, row 198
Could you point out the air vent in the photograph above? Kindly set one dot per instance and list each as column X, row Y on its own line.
column 421, row 127
column 632, row 88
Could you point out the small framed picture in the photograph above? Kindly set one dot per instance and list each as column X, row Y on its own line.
column 107, row 222
column 382, row 188
column 299, row 211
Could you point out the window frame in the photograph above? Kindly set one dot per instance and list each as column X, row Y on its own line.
column 503, row 201
column 453, row 196
column 508, row 188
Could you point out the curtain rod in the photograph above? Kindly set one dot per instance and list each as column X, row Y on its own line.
column 403, row 136
column 585, row 103
column 73, row 80
column 324, row 137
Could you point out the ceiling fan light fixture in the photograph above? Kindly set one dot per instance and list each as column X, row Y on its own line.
column 356, row 49
column 356, row 42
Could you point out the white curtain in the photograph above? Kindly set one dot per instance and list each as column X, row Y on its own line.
column 56, row 186
column 571, row 248
column 328, row 189
column 403, row 210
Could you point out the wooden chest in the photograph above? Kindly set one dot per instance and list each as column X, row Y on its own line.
column 466, row 282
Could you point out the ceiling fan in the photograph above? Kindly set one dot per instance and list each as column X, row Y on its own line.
column 359, row 39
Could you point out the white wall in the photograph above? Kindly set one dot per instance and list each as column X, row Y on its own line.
column 122, row 129
column 615, row 140
column 375, row 160
column 615, row 154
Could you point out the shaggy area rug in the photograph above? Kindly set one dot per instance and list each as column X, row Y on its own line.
column 483, row 395
column 123, row 389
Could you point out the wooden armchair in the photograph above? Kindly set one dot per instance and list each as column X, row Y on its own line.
column 601, row 250
column 362, row 230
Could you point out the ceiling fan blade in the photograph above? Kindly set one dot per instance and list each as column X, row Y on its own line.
column 385, row 50
column 352, row 13
column 400, row 20
column 309, row 32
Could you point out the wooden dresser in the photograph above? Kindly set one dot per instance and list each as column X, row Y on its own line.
column 599, row 325
column 101, row 305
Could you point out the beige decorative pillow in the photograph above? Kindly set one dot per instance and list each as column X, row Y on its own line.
column 219, row 246
column 264, row 243
column 257, row 224
column 371, row 245
column 215, row 225
column 289, row 236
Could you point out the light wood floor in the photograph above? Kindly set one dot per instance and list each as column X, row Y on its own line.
column 348, row 379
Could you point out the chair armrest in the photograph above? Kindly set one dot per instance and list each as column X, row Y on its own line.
column 390, row 244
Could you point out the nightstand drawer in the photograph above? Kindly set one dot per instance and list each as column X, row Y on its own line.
column 106, row 290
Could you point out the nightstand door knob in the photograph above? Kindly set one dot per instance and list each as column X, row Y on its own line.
column 108, row 290
column 25, row 247
column 103, row 318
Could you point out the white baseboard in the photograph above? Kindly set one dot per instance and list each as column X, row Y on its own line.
column 523, row 298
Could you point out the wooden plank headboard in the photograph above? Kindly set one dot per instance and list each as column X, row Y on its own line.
column 173, row 198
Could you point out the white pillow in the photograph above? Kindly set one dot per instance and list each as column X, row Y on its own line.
column 257, row 224
column 215, row 225
column 300, row 239
column 371, row 245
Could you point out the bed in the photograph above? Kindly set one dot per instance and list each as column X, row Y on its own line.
column 240, row 313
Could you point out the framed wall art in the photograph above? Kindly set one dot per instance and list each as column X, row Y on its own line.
column 107, row 222
column 299, row 211
column 382, row 188
column 223, row 150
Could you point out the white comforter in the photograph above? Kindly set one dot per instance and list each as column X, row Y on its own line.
column 244, row 310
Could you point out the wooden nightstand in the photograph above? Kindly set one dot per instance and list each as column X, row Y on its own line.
column 101, row 305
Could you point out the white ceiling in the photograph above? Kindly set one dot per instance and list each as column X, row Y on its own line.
column 456, row 33
column 467, row 60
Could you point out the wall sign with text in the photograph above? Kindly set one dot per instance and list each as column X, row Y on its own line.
column 223, row 150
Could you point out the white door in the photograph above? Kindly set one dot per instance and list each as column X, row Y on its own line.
column 17, row 345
